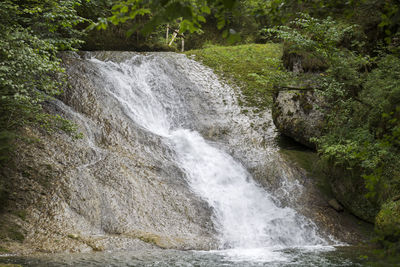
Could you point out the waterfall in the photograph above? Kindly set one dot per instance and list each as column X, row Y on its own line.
column 246, row 216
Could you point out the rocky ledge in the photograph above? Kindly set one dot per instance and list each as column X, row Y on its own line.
column 298, row 114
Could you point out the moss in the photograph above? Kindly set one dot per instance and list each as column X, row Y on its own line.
column 74, row 236
column 11, row 231
column 4, row 250
column 21, row 214
column 25, row 174
column 15, row 234
column 89, row 242
column 295, row 96
column 305, row 102
column 10, row 265
column 97, row 248
column 248, row 66
column 307, row 108
column 387, row 222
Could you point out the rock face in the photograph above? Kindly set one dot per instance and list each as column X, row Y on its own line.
column 298, row 114
column 118, row 187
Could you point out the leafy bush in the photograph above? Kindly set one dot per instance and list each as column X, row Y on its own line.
column 363, row 125
column 31, row 35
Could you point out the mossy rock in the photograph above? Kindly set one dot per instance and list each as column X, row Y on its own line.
column 297, row 114
column 387, row 222
column 349, row 189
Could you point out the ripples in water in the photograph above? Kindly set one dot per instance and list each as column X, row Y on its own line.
column 305, row 256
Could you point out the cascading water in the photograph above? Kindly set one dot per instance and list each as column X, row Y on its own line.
column 245, row 215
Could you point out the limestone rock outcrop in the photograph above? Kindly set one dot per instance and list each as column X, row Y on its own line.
column 299, row 114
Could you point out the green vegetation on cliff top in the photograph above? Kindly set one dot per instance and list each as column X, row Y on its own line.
column 253, row 67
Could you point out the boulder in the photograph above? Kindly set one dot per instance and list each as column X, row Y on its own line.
column 299, row 114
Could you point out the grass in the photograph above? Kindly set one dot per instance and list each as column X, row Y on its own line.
column 252, row 67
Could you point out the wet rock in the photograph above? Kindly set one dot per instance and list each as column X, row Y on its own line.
column 93, row 193
column 310, row 199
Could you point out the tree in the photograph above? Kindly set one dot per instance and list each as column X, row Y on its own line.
column 31, row 35
column 191, row 14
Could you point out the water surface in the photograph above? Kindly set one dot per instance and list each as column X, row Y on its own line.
column 304, row 256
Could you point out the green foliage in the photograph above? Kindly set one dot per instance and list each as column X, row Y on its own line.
column 253, row 67
column 387, row 226
column 322, row 37
column 94, row 9
column 145, row 16
column 280, row 12
column 366, row 133
column 31, row 34
column 378, row 20
column 235, row 20
column 362, row 124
